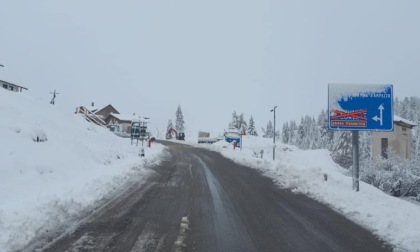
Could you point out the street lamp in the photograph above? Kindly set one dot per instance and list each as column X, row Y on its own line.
column 274, row 135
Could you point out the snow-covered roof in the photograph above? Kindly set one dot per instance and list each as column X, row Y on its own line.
column 123, row 117
column 405, row 121
column 12, row 84
column 104, row 107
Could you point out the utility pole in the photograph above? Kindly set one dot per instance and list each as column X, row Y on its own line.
column 274, row 134
column 54, row 95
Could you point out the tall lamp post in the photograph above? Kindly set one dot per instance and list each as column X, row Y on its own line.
column 274, row 134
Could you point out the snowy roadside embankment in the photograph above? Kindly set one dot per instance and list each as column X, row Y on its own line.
column 73, row 165
column 394, row 220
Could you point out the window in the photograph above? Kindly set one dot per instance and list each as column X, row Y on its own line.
column 5, row 86
column 404, row 129
column 384, row 147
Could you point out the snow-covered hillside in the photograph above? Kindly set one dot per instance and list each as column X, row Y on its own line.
column 394, row 220
column 74, row 164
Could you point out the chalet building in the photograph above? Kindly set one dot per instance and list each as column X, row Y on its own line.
column 12, row 87
column 105, row 111
column 119, row 123
column 108, row 117
column 398, row 141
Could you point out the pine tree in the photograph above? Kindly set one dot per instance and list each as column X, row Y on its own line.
column 179, row 121
column 285, row 133
column 268, row 132
column 342, row 151
column 251, row 127
column 404, row 108
column 293, row 132
column 325, row 135
column 397, row 106
column 234, row 121
column 242, row 125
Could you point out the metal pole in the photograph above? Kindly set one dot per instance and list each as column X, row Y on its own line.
column 355, row 143
column 274, row 134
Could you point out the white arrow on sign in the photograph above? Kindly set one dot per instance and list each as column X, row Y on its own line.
column 380, row 118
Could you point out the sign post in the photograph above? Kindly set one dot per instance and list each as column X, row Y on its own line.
column 360, row 108
column 355, row 143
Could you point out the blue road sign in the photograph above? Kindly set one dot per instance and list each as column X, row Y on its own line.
column 360, row 107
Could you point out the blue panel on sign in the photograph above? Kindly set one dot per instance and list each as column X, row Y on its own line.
column 360, row 107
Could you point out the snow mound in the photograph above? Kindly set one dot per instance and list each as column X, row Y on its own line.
column 54, row 165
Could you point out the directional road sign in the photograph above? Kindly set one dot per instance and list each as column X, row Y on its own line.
column 360, row 107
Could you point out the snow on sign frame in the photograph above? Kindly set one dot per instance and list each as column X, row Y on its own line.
column 360, row 107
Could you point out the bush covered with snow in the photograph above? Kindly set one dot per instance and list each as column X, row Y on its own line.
column 396, row 176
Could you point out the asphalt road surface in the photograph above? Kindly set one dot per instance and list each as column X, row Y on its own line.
column 196, row 200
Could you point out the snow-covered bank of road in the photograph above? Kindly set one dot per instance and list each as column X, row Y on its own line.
column 74, row 164
column 394, row 220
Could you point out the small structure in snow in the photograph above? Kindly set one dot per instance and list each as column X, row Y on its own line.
column 118, row 123
column 12, row 87
column 204, row 137
column 398, row 141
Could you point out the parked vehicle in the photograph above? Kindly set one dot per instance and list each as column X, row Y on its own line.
column 204, row 137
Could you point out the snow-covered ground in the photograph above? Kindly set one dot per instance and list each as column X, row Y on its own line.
column 394, row 220
column 44, row 184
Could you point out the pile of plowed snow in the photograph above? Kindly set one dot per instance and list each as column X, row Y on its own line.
column 55, row 164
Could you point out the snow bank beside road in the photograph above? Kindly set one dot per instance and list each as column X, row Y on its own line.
column 73, row 165
column 394, row 220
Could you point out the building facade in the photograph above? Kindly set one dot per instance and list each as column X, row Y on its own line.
column 398, row 141
column 12, row 87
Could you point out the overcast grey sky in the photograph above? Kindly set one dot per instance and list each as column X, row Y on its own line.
column 210, row 57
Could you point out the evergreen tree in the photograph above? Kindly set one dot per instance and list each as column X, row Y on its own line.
column 179, row 121
column 285, row 133
column 301, row 135
column 234, row 122
column 404, row 108
column 342, row 151
column 293, row 132
column 251, row 127
column 412, row 109
column 397, row 106
column 325, row 135
column 268, row 132
column 242, row 125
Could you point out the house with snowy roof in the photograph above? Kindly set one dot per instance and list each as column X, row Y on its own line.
column 108, row 116
column 12, row 87
column 398, row 141
column 104, row 111
column 95, row 115
column 119, row 124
